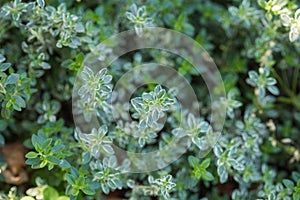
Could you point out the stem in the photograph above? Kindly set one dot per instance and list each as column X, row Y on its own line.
column 285, row 76
column 282, row 84
column 292, row 96
column 296, row 102
column 295, row 80
column 284, row 100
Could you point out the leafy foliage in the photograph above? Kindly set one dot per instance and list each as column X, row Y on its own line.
column 254, row 43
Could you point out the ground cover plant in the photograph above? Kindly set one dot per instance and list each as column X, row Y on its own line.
column 53, row 91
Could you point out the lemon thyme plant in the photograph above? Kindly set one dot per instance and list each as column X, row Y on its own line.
column 43, row 48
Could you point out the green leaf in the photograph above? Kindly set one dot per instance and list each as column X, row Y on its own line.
column 296, row 195
column 43, row 163
column 88, row 191
column 288, row 183
column 50, row 193
column 2, row 141
column 41, row 3
column 193, row 161
column 271, row 196
column 31, row 155
column 20, row 101
column 46, row 143
column 64, row 164
column 3, row 125
column 32, row 161
column 141, row 141
column 57, row 148
column 223, row 177
column 253, row 75
column 205, row 163
column 261, row 3
column 296, row 176
column 12, row 79
column 36, row 142
column 94, row 185
column 273, row 89
column 79, row 28
column 105, row 188
column 2, row 59
column 53, row 159
column 50, row 166
column 271, row 81
column 4, row 66
column 86, row 157
column 74, row 191
column 45, row 65
column 130, row 183
column 70, row 179
column 208, row 176
column 74, row 172
column 108, row 149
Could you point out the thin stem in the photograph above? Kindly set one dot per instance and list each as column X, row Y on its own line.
column 285, row 100
column 285, row 77
column 282, row 84
column 295, row 80
column 292, row 96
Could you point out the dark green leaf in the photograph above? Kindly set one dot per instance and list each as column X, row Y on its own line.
column 4, row 66
column 86, row 157
column 41, row 3
column 193, row 161
column 70, row 179
column 12, row 79
column 288, row 183
column 20, row 101
column 2, row 141
column 64, row 164
column 88, row 191
column 46, row 143
column 2, row 59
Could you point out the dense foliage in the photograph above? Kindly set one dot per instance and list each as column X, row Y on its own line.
column 43, row 47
